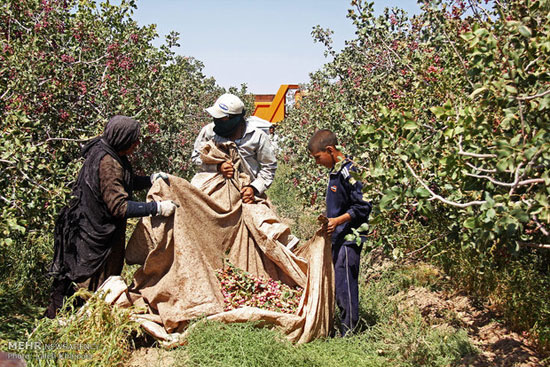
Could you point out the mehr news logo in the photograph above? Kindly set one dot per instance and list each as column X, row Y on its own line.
column 37, row 350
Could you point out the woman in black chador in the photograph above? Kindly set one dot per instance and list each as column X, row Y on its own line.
column 90, row 231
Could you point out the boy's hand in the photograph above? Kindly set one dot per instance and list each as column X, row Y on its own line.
column 247, row 195
column 226, row 169
column 335, row 222
column 332, row 224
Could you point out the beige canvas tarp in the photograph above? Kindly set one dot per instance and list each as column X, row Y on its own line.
column 177, row 282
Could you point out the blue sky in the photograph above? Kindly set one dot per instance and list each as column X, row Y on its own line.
column 261, row 43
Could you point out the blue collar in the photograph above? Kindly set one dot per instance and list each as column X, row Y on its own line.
column 339, row 166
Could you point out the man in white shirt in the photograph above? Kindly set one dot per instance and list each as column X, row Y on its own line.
column 253, row 145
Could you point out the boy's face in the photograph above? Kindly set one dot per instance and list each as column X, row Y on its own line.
column 324, row 158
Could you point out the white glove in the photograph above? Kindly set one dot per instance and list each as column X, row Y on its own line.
column 292, row 242
column 166, row 208
column 158, row 175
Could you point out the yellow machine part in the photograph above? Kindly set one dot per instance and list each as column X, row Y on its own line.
column 272, row 108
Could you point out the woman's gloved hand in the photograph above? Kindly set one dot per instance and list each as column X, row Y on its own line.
column 166, row 208
column 158, row 175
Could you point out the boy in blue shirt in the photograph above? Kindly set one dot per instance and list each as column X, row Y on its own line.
column 346, row 209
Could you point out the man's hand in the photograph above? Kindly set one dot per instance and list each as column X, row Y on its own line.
column 226, row 169
column 247, row 195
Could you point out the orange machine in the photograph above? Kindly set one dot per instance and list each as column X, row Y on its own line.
column 273, row 107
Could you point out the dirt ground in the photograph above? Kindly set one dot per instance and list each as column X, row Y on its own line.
column 497, row 345
column 151, row 357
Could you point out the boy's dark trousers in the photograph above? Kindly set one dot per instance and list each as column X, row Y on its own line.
column 346, row 274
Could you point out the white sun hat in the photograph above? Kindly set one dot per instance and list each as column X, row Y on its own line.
column 227, row 104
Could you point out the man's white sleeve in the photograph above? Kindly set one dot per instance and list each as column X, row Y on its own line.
column 268, row 165
column 196, row 155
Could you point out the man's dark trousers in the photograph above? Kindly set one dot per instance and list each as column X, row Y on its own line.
column 346, row 273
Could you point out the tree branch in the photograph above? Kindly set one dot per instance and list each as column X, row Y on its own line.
column 91, row 61
column 535, row 245
column 12, row 203
column 32, row 181
column 476, row 4
column 439, row 197
column 512, row 185
column 462, row 62
column 528, row 98
column 423, row 247
column 66, row 139
column 520, row 110
column 481, row 169
column 499, row 183
column 396, row 54
column 6, row 200
column 104, row 73
column 533, row 62
column 21, row 25
column 4, row 94
column 531, row 163
column 507, row 184
column 474, row 155
column 540, row 226
column 136, row 116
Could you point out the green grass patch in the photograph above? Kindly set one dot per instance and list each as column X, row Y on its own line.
column 94, row 335
column 217, row 344
column 389, row 337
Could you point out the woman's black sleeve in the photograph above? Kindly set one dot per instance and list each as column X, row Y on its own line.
column 142, row 182
column 140, row 209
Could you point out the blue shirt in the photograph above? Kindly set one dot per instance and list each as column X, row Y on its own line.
column 345, row 195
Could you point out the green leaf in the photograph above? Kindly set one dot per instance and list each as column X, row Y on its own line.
column 502, row 165
column 481, row 32
column 529, row 153
column 467, row 36
column 438, row 111
column 511, row 89
column 366, row 129
column 397, row 253
column 386, row 201
column 524, row 31
column 410, row 125
column 477, row 91
column 470, row 223
column 422, row 192
column 520, row 215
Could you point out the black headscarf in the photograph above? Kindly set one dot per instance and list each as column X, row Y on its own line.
column 121, row 132
column 85, row 227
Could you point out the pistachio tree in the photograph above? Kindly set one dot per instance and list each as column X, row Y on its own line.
column 66, row 67
column 446, row 113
